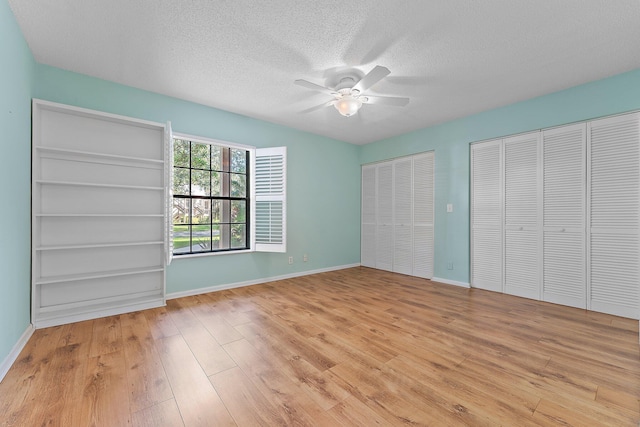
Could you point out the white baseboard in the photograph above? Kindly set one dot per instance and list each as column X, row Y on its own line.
column 174, row 295
column 15, row 351
column 450, row 282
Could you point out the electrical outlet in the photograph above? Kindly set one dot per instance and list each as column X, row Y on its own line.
column 305, row 258
column 290, row 260
column 449, row 266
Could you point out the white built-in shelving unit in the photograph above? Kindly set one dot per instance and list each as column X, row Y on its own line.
column 98, row 214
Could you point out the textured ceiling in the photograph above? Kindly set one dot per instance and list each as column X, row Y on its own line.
column 453, row 58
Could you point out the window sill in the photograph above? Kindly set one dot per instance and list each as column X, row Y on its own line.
column 206, row 254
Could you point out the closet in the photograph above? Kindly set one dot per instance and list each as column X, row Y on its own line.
column 486, row 227
column 564, row 190
column 554, row 215
column 613, row 220
column 99, row 241
column 397, row 215
column 521, row 218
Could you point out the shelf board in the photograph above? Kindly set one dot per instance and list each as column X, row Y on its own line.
column 82, row 306
column 96, row 275
column 88, row 184
column 98, row 245
column 98, row 215
column 98, row 155
column 59, row 315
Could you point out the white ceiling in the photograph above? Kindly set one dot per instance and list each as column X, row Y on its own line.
column 453, row 58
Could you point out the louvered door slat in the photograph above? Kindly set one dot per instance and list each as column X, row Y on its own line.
column 564, row 272
column 423, row 251
column 564, row 176
column 402, row 203
column 384, row 199
column 368, row 230
column 614, row 224
column 423, row 186
column 384, row 209
column 369, row 194
column 521, row 180
column 368, row 250
column 486, row 216
column 487, row 182
column 402, row 216
column 384, row 247
column 521, row 216
column 487, row 259
column 614, row 273
column 614, row 172
column 564, row 183
column 402, row 251
column 521, row 263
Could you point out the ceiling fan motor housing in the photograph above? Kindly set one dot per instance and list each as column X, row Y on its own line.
column 346, row 82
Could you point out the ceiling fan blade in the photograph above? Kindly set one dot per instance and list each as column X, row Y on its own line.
column 385, row 100
column 374, row 76
column 317, row 107
column 313, row 86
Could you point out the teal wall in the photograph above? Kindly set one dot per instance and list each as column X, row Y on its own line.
column 323, row 178
column 451, row 141
column 16, row 77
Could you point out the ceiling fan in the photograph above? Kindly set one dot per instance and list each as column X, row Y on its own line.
column 348, row 93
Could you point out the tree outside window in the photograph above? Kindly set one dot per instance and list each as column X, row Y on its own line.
column 210, row 198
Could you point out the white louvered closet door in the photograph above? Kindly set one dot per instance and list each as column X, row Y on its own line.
column 384, row 224
column 368, row 232
column 564, row 175
column 614, row 165
column 521, row 227
column 486, row 215
column 402, row 216
column 423, row 202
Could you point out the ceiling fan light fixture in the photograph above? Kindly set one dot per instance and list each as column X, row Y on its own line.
column 348, row 105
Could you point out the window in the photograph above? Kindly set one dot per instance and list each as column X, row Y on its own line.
column 224, row 197
column 211, row 197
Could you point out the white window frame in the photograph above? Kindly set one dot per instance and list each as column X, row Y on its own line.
column 253, row 153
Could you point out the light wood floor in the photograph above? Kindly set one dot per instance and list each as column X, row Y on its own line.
column 352, row 347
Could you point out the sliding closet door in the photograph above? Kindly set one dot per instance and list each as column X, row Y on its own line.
column 384, row 209
column 397, row 215
column 521, row 259
column 423, row 202
column 486, row 215
column 402, row 216
column 368, row 229
column 564, row 175
column 613, row 216
column 570, row 200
